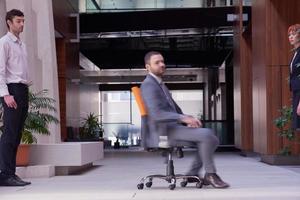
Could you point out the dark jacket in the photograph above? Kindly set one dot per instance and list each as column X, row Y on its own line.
column 161, row 113
column 295, row 73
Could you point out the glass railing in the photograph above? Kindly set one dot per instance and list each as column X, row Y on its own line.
column 140, row 5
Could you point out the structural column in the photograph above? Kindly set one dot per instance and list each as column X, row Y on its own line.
column 3, row 27
column 68, row 64
column 242, row 84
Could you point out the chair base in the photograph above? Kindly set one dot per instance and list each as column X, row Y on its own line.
column 172, row 179
column 170, row 176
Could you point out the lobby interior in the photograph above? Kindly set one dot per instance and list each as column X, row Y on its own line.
column 89, row 53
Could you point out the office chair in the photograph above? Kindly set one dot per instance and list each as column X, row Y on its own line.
column 163, row 146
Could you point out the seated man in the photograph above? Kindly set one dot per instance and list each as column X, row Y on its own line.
column 178, row 126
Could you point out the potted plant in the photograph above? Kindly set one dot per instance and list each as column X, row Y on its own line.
column 283, row 123
column 38, row 119
column 91, row 129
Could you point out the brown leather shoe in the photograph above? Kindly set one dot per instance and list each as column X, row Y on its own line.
column 214, row 180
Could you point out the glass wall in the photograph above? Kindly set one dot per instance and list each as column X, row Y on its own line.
column 190, row 101
column 121, row 118
column 116, row 107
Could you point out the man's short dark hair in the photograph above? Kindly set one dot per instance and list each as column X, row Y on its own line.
column 149, row 54
column 13, row 13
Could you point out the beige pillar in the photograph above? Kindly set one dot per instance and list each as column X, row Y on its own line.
column 3, row 27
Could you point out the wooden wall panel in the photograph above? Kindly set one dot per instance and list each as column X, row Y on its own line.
column 273, row 101
column 259, row 75
column 62, row 103
column 72, row 56
column 246, row 95
column 237, row 94
column 62, row 22
column 68, row 61
column 243, row 86
column 61, row 64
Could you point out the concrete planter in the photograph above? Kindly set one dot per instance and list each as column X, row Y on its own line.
column 281, row 160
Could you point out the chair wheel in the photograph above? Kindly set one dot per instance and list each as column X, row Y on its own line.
column 172, row 186
column 140, row 186
column 148, row 184
column 199, row 185
column 183, row 183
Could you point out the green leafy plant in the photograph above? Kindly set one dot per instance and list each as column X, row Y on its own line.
column 39, row 116
column 92, row 128
column 283, row 123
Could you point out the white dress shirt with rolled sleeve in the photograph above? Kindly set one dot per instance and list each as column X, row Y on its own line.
column 13, row 62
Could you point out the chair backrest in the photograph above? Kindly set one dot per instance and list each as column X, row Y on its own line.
column 139, row 100
column 150, row 139
column 143, row 111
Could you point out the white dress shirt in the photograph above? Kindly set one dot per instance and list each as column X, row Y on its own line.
column 13, row 62
column 159, row 79
column 291, row 64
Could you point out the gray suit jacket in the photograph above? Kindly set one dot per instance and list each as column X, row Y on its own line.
column 161, row 114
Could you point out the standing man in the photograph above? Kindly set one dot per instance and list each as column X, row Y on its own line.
column 178, row 126
column 14, row 82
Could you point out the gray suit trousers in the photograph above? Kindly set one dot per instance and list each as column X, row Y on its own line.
column 204, row 139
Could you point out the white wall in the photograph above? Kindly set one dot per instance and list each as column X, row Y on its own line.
column 39, row 38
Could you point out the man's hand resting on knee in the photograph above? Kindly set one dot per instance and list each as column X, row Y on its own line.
column 191, row 121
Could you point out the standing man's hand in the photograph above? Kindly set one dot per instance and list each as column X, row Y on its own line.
column 10, row 101
column 191, row 121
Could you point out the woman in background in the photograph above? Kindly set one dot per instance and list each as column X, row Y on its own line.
column 294, row 39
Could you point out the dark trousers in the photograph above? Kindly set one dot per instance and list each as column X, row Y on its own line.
column 296, row 118
column 13, row 120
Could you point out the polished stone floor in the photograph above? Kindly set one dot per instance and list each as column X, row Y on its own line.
column 116, row 177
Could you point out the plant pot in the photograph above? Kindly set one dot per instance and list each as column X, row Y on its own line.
column 23, row 155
